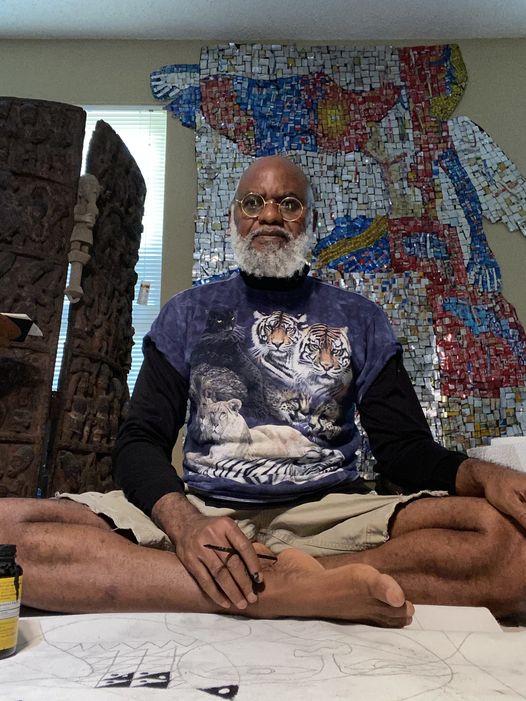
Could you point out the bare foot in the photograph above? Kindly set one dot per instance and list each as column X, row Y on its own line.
column 298, row 585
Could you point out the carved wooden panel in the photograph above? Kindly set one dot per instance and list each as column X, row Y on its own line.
column 93, row 391
column 40, row 159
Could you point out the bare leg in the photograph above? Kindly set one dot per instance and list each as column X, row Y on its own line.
column 454, row 550
column 73, row 562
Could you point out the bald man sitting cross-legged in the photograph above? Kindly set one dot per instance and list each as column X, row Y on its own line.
column 274, row 363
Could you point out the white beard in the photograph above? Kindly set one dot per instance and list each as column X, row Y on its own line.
column 277, row 260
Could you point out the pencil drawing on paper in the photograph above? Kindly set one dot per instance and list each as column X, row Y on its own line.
column 203, row 656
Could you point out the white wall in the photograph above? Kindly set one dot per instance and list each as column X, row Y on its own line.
column 117, row 73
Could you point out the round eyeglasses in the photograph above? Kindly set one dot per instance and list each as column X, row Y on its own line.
column 253, row 204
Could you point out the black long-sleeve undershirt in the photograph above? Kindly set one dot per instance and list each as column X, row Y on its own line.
column 399, row 435
column 142, row 459
column 390, row 414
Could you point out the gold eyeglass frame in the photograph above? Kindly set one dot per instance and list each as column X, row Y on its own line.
column 269, row 201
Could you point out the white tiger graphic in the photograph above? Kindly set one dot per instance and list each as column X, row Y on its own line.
column 322, row 359
column 272, row 452
column 266, row 471
column 274, row 338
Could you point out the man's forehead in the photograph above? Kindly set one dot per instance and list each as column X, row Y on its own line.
column 273, row 172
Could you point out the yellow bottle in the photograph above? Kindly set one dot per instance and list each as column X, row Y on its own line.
column 10, row 595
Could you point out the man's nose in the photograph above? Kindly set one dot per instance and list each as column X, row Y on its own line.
column 271, row 213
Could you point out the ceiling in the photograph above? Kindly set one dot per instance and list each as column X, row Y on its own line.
column 262, row 20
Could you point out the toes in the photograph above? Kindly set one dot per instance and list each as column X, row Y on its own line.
column 390, row 591
column 382, row 586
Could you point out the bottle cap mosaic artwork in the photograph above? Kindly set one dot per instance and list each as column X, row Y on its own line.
column 402, row 189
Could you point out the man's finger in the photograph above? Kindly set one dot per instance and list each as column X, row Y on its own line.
column 219, row 568
column 247, row 553
column 516, row 508
column 202, row 576
column 237, row 568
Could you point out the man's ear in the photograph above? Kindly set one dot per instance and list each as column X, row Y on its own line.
column 314, row 220
column 230, row 218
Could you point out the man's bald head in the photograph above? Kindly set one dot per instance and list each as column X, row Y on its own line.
column 276, row 166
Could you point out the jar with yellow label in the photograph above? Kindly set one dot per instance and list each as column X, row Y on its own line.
column 10, row 594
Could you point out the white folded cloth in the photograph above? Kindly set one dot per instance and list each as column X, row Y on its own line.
column 510, row 452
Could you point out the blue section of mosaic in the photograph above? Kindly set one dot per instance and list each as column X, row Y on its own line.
column 283, row 119
column 368, row 258
column 425, row 245
column 185, row 106
column 483, row 270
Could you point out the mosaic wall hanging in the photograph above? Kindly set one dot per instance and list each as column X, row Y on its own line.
column 402, row 189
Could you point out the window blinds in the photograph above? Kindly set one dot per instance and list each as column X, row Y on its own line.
column 144, row 133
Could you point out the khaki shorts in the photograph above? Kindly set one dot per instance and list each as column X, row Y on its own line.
column 337, row 523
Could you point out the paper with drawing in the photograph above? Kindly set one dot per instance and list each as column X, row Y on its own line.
column 142, row 656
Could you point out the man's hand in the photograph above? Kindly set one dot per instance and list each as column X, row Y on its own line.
column 226, row 578
column 505, row 489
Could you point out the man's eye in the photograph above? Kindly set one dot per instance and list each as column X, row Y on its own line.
column 291, row 204
column 252, row 202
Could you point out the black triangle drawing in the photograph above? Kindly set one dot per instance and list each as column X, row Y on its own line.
column 224, row 692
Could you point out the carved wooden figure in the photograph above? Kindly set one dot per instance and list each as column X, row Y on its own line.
column 40, row 160
column 85, row 214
